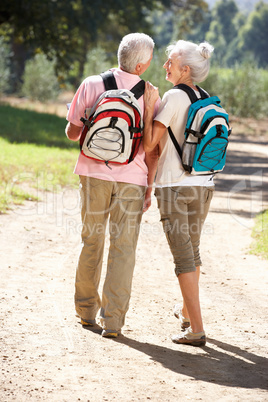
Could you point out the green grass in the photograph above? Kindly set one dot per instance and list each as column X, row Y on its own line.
column 260, row 235
column 35, row 155
column 26, row 126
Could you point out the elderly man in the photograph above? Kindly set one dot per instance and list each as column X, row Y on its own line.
column 120, row 194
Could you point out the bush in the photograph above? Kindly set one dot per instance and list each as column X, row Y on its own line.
column 39, row 79
column 241, row 89
column 4, row 66
column 156, row 73
column 97, row 62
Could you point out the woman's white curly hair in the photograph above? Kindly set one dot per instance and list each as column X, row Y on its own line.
column 193, row 55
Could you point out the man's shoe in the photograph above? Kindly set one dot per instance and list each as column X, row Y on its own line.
column 87, row 323
column 190, row 338
column 185, row 322
column 110, row 333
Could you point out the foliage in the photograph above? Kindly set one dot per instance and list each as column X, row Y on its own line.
column 255, row 33
column 177, row 21
column 224, row 13
column 241, row 89
column 199, row 31
column 223, row 30
column 162, row 22
column 97, row 61
column 66, row 30
column 260, row 235
column 156, row 73
column 186, row 15
column 234, row 35
column 39, row 79
column 4, row 66
column 246, row 6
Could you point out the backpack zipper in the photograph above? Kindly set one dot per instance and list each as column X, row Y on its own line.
column 112, row 110
column 209, row 120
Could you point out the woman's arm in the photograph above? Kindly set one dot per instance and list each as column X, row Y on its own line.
column 153, row 130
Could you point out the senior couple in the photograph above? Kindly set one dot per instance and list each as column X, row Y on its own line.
column 123, row 193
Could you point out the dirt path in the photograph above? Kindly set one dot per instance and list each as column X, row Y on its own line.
column 48, row 356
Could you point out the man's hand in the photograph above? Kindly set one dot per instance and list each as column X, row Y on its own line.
column 147, row 201
column 73, row 132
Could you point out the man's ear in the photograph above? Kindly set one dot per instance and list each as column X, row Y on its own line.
column 138, row 68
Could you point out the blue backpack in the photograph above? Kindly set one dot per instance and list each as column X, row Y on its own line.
column 206, row 134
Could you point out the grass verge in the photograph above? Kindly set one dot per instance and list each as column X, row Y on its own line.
column 35, row 155
column 27, row 126
column 26, row 169
column 260, row 235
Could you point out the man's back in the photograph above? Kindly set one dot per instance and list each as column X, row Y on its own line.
column 85, row 97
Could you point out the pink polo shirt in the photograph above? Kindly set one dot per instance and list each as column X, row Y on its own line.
column 85, row 97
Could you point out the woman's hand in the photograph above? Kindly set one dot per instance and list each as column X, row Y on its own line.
column 151, row 95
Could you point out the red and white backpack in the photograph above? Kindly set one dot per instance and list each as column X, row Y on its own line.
column 112, row 130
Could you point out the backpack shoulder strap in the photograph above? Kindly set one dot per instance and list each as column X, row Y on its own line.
column 108, row 80
column 203, row 93
column 193, row 98
column 175, row 142
column 190, row 92
column 110, row 83
column 138, row 89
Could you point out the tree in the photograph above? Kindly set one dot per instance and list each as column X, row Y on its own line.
column 223, row 30
column 186, row 16
column 255, row 33
column 198, row 33
column 4, row 66
column 40, row 82
column 66, row 30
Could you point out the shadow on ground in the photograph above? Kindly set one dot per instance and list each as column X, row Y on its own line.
column 245, row 177
column 226, row 365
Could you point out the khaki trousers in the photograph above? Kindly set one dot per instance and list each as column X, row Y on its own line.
column 183, row 212
column 123, row 204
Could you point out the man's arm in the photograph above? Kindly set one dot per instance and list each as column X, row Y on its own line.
column 73, row 132
column 151, row 160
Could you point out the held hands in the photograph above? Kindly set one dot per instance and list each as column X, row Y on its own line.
column 151, row 95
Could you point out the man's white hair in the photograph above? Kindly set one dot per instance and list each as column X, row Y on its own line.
column 134, row 48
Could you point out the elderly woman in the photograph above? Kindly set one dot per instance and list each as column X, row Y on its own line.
column 183, row 199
